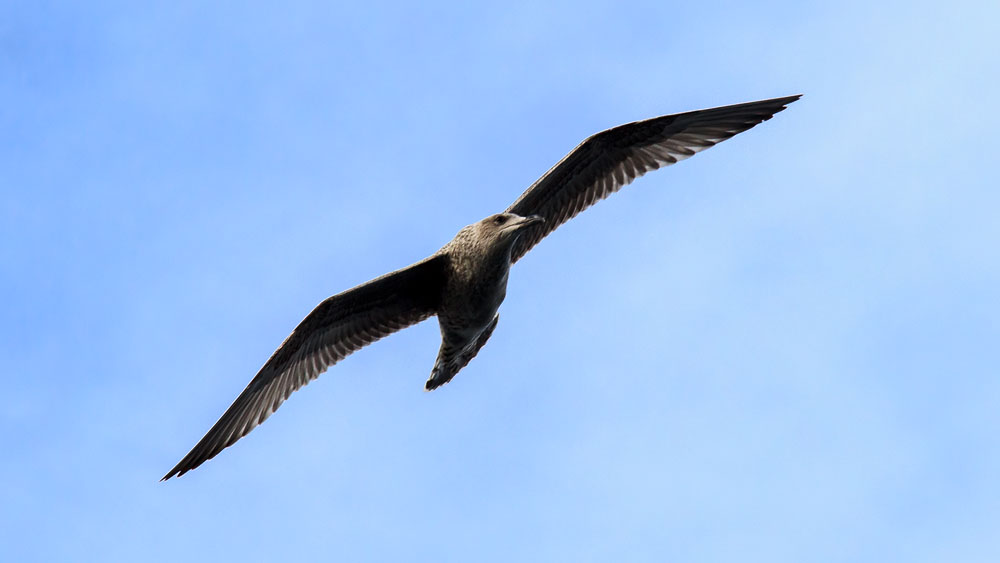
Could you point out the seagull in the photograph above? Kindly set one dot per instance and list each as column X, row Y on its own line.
column 465, row 281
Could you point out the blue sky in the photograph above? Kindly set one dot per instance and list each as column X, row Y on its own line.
column 783, row 349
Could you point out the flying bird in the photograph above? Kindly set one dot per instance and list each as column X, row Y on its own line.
column 465, row 281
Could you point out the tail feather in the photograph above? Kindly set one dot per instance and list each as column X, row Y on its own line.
column 454, row 356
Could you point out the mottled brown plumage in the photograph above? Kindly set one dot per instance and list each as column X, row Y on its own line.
column 465, row 282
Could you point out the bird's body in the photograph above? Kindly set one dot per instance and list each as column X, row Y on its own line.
column 465, row 282
column 475, row 284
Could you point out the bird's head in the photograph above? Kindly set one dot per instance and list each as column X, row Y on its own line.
column 493, row 236
column 504, row 227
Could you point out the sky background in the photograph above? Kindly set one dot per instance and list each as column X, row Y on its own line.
column 783, row 349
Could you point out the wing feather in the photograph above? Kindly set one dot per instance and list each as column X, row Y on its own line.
column 611, row 159
column 336, row 328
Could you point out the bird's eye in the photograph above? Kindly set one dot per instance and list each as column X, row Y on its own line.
column 500, row 219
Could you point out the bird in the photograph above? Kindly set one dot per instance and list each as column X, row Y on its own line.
column 465, row 282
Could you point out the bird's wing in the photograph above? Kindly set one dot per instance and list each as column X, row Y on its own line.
column 337, row 327
column 605, row 162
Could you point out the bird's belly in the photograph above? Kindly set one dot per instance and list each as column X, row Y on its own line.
column 468, row 310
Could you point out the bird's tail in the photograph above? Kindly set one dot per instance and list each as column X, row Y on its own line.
column 452, row 358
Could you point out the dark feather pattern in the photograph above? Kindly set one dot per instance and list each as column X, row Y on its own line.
column 611, row 159
column 336, row 328
column 465, row 282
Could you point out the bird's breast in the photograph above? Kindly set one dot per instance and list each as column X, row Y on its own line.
column 470, row 302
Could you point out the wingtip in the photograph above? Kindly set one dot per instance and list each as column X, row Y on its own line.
column 789, row 99
column 178, row 470
column 777, row 105
column 780, row 102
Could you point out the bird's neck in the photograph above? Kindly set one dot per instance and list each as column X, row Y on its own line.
column 489, row 263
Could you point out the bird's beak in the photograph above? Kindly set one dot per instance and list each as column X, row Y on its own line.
column 531, row 220
column 522, row 223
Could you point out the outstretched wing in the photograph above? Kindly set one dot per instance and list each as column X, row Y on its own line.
column 337, row 327
column 605, row 162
